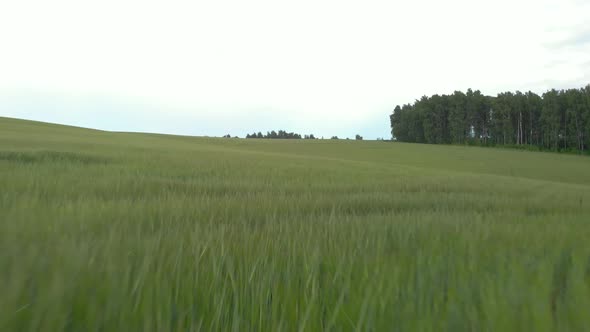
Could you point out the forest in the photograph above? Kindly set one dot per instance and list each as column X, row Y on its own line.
column 557, row 120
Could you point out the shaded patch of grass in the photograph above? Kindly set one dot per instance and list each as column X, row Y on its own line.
column 40, row 157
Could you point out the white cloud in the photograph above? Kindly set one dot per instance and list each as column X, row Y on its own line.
column 330, row 66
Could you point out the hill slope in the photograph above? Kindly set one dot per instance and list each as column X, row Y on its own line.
column 121, row 231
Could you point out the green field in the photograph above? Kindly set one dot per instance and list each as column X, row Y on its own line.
column 103, row 231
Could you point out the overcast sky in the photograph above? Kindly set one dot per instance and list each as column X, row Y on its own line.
column 322, row 67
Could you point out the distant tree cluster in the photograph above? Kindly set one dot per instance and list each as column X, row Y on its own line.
column 281, row 134
column 357, row 137
column 556, row 120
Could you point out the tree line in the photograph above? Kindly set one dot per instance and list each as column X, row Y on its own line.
column 557, row 120
column 281, row 134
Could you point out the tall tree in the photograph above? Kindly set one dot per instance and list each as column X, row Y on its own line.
column 457, row 119
column 395, row 121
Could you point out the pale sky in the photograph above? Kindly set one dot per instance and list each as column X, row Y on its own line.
column 321, row 67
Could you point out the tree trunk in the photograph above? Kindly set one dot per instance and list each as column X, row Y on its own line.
column 579, row 136
column 531, row 128
column 565, row 129
column 520, row 127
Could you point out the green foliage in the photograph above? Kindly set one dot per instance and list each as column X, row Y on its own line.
column 281, row 134
column 556, row 121
column 108, row 231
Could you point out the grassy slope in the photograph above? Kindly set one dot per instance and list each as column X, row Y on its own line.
column 118, row 231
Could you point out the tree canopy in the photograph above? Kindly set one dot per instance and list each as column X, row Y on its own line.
column 558, row 120
column 281, row 134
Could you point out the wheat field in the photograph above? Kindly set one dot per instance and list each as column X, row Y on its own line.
column 104, row 231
